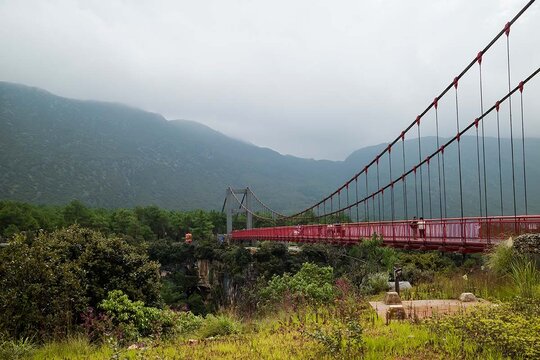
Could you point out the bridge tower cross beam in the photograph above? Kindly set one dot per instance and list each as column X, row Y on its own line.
column 244, row 207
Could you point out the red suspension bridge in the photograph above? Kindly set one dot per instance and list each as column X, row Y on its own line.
column 414, row 190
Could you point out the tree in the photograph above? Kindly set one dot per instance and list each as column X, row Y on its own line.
column 49, row 279
column 14, row 217
column 76, row 213
column 155, row 218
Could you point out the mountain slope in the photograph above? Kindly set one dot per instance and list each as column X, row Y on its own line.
column 54, row 150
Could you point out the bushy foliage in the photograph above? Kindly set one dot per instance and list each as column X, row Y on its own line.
column 500, row 258
column 187, row 322
column 422, row 266
column 126, row 321
column 375, row 283
column 311, row 283
column 141, row 223
column 218, row 325
column 132, row 319
column 49, row 279
column 512, row 328
column 342, row 340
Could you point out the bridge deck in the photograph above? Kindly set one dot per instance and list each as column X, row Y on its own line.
column 471, row 234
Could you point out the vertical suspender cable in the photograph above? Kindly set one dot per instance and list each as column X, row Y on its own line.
column 429, row 187
column 404, row 178
column 367, row 192
column 523, row 147
column 479, row 58
column 416, row 191
column 339, row 212
column 459, row 148
column 378, row 188
column 373, row 205
column 435, row 105
column 382, row 202
column 507, row 31
column 356, row 189
column 350, row 216
column 497, row 107
column 324, row 211
column 444, row 182
column 331, row 208
column 478, row 168
column 392, row 182
column 478, row 150
column 419, row 161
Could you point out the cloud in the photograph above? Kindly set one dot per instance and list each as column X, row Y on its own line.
column 310, row 78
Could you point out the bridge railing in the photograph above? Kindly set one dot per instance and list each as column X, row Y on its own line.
column 469, row 234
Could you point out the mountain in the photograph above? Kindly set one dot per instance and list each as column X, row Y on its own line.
column 54, row 150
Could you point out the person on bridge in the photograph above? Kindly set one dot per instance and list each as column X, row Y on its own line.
column 422, row 227
column 414, row 226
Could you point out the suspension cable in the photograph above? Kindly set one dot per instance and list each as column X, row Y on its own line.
column 429, row 188
column 523, row 147
column 356, row 187
column 444, row 181
column 479, row 59
column 404, row 179
column 507, row 32
column 367, row 192
column 420, row 160
column 378, row 187
column 435, row 105
column 459, row 148
column 350, row 216
column 416, row 191
column 449, row 142
column 500, row 165
column 380, row 191
column 478, row 166
column 391, row 180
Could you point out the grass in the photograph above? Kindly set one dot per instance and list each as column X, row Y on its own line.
column 13, row 350
column 282, row 336
column 525, row 277
column 483, row 284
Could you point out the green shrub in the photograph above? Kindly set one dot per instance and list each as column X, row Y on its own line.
column 500, row 258
column 133, row 320
column 512, row 328
column 311, row 283
column 187, row 322
column 218, row 325
column 375, row 283
column 342, row 340
column 49, row 279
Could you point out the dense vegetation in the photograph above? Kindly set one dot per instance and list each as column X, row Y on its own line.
column 79, row 282
column 53, row 150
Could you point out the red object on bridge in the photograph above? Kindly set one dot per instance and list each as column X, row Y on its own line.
column 465, row 235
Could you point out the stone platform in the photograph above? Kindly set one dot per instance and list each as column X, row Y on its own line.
column 420, row 309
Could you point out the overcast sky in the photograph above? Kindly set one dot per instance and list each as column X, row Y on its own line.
column 310, row 78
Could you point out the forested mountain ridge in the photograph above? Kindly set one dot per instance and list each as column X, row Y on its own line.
column 54, row 150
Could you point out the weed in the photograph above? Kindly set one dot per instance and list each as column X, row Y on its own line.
column 16, row 349
column 526, row 278
column 219, row 325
